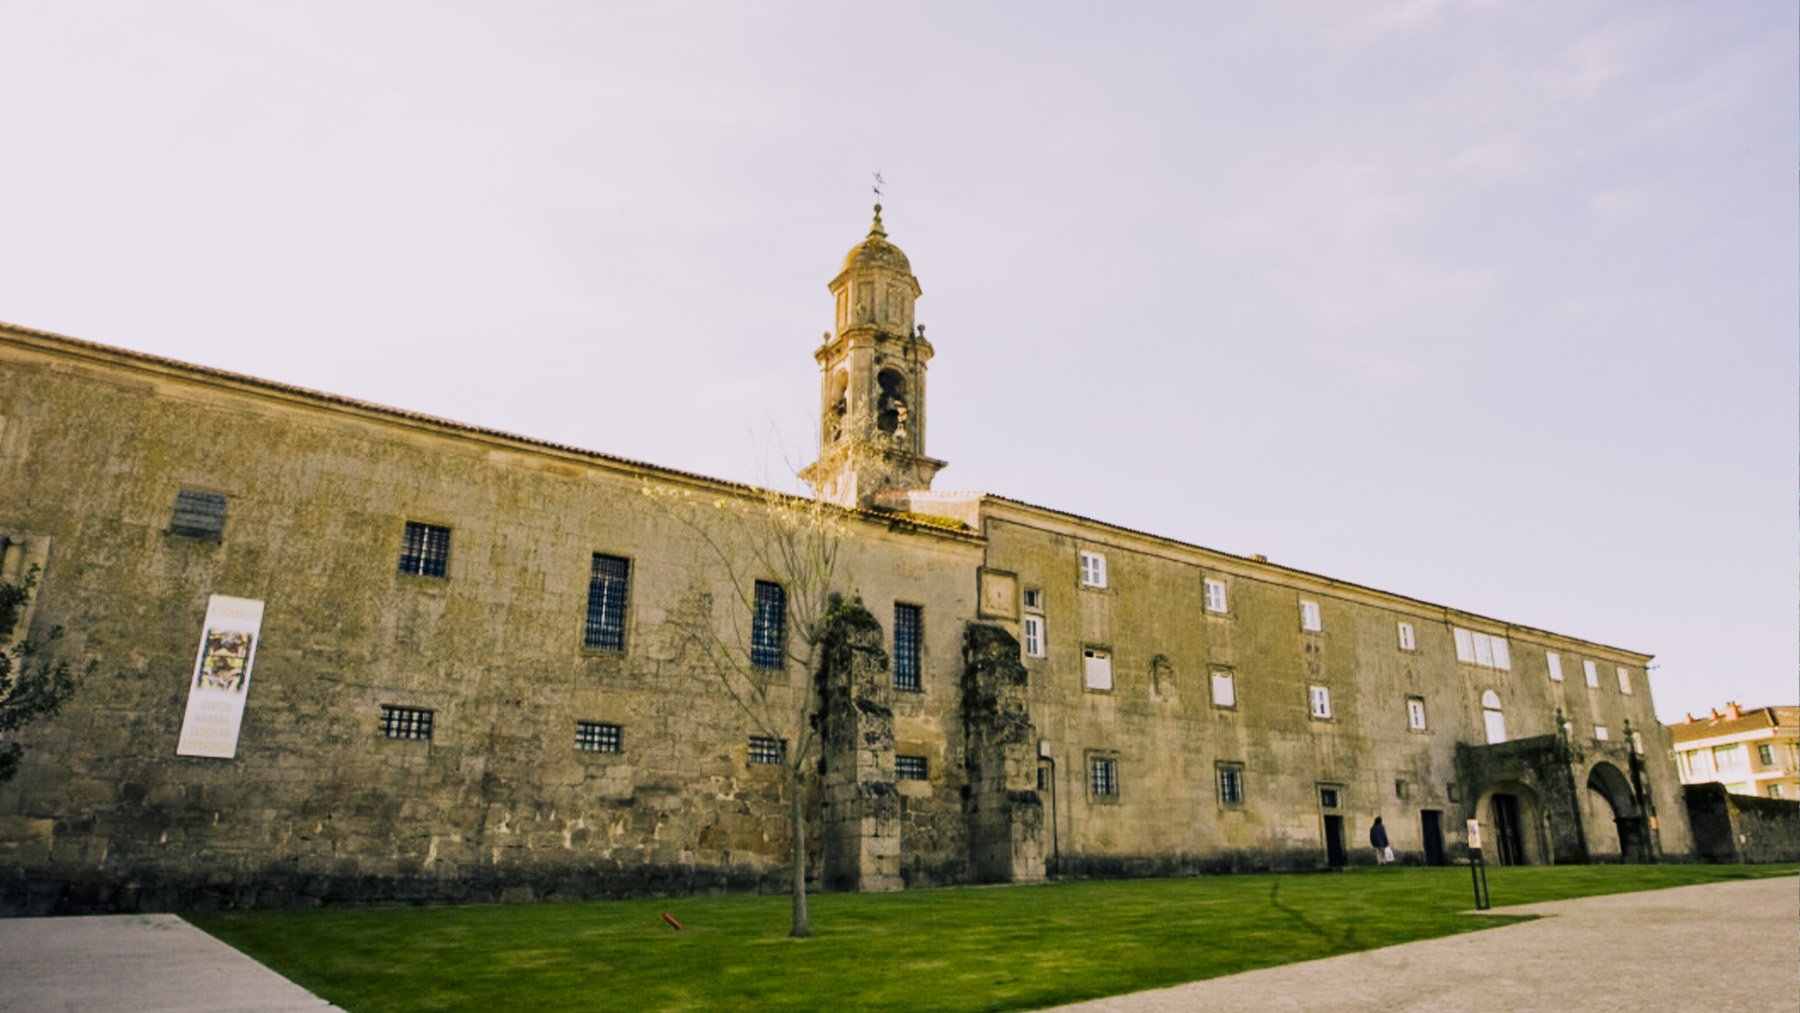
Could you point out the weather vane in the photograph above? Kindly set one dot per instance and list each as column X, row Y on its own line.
column 879, row 183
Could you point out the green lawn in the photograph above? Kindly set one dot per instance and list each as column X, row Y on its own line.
column 962, row 949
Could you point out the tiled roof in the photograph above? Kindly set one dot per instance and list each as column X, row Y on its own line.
column 1748, row 720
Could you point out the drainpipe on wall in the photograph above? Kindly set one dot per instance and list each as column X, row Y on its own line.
column 1055, row 851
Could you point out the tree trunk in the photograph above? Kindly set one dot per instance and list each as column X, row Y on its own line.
column 802, row 926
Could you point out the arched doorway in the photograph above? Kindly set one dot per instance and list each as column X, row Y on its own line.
column 1512, row 822
column 1616, row 831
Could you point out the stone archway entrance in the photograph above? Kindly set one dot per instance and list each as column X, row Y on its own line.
column 1513, row 817
column 1610, row 795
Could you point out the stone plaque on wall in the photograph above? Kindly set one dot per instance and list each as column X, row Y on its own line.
column 221, row 682
column 999, row 594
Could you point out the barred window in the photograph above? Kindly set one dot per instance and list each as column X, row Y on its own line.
column 426, row 549
column 909, row 768
column 198, row 514
column 768, row 627
column 764, row 749
column 907, row 623
column 1231, row 783
column 405, row 723
column 597, row 737
column 609, row 587
column 1103, row 777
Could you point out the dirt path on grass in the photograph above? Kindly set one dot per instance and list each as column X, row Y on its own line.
column 1721, row 947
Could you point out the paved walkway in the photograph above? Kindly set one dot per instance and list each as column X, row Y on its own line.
column 1722, row 947
column 141, row 963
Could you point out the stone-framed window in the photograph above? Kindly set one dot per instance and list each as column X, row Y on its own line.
column 766, row 749
column 768, row 625
column 1415, row 713
column 599, row 737
column 609, row 592
column 198, row 514
column 909, row 768
column 406, row 723
column 1229, row 776
column 1215, row 595
column 1554, row 661
column 1096, row 669
column 1103, row 777
column 425, row 550
column 1624, row 679
column 1319, row 701
column 1408, row 641
column 1483, row 649
column 1093, row 569
column 1224, row 689
column 1591, row 672
column 1031, row 628
column 909, row 634
column 1310, row 620
column 1331, row 796
column 1033, row 599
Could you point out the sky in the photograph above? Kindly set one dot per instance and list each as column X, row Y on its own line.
column 1489, row 304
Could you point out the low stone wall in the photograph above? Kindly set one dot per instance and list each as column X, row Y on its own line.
column 1742, row 828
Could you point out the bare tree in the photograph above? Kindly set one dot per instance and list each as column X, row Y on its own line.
column 32, row 686
column 765, row 651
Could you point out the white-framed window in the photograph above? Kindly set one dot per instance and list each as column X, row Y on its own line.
column 1093, row 569
column 1415, row 713
column 1601, row 734
column 1407, row 641
column 1097, row 669
column 1309, row 616
column 1624, row 679
column 1224, row 689
column 1554, row 660
column 1320, row 699
column 1482, row 649
column 1492, row 717
column 1215, row 595
column 1033, row 629
column 1592, row 672
column 1034, row 599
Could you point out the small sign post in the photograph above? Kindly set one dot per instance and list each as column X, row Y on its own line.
column 1478, row 868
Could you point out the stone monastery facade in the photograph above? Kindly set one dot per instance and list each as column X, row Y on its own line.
column 350, row 653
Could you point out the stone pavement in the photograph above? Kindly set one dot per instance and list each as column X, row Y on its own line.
column 141, row 963
column 1721, row 947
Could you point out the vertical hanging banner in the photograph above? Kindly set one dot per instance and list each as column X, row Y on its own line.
column 215, row 707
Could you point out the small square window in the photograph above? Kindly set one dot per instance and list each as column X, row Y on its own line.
column 909, row 768
column 1309, row 616
column 1033, row 629
column 1328, row 796
column 597, row 737
column 406, row 723
column 1407, row 643
column 1320, row 700
column 1093, row 569
column 1103, row 777
column 1224, row 690
column 1415, row 713
column 198, row 514
column 1097, row 669
column 1624, row 679
column 1215, row 595
column 764, row 749
column 425, row 550
column 1601, row 734
column 1554, row 660
column 909, row 623
column 1402, row 790
column 1231, row 783
column 1034, row 599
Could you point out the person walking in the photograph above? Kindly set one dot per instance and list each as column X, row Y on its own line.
column 1378, row 839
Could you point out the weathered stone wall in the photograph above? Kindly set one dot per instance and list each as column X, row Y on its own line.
column 861, row 805
column 1006, row 820
column 317, row 806
column 1742, row 828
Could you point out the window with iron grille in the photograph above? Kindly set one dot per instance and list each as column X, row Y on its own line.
column 1103, row 777
column 405, row 723
column 909, row 768
column 1231, row 783
column 764, row 749
column 609, row 588
column 198, row 514
column 425, row 550
column 768, row 626
column 908, row 621
column 597, row 737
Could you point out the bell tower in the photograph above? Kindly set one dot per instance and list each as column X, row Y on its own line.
column 872, row 403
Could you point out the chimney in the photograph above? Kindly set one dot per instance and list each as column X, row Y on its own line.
column 1690, row 718
column 1732, row 710
column 1715, row 712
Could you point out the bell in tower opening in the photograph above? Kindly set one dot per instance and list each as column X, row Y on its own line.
column 872, row 418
